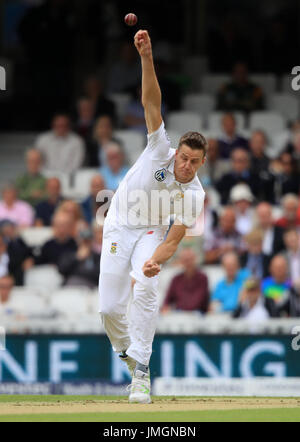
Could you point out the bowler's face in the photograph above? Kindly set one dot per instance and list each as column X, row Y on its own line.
column 187, row 162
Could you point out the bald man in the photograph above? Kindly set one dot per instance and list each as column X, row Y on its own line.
column 31, row 186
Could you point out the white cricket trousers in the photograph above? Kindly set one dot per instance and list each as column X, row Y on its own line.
column 124, row 252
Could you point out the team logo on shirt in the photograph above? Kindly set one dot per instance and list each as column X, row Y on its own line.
column 113, row 248
column 160, row 175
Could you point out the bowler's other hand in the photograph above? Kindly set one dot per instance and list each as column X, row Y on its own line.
column 151, row 268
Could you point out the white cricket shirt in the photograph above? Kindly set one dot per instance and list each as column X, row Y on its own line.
column 150, row 180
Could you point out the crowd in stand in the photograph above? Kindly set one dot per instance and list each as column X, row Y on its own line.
column 253, row 234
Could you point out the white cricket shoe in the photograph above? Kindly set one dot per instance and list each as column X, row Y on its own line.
column 131, row 363
column 140, row 388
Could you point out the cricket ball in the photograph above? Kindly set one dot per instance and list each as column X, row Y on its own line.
column 130, row 19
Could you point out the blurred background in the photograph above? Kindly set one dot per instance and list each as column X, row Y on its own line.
column 71, row 124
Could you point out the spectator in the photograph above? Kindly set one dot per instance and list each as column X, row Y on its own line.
column 240, row 94
column 19, row 253
column 230, row 139
column 6, row 286
column 225, row 238
column 126, row 72
column 252, row 305
column 84, row 118
column 4, row 258
column 81, row 267
column 62, row 149
column 90, row 205
column 46, row 208
column 188, row 291
column 293, row 147
column 242, row 199
column 283, row 178
column 240, row 173
column 254, row 259
column 272, row 234
column 292, row 254
column 115, row 170
column 62, row 241
column 291, row 306
column 94, row 91
column 31, row 185
column 258, row 158
column 102, row 136
column 226, row 294
column 290, row 218
column 15, row 210
column 73, row 209
column 277, row 285
column 214, row 167
column 134, row 114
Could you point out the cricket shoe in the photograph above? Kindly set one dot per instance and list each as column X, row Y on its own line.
column 131, row 363
column 140, row 388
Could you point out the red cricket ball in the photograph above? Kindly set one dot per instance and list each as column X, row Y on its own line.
column 130, row 19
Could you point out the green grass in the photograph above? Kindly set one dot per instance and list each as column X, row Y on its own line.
column 245, row 415
column 275, row 414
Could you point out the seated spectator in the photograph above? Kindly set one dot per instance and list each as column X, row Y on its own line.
column 254, row 259
column 292, row 254
column 81, row 267
column 19, row 253
column 62, row 241
column 214, row 167
column 102, row 136
column 134, row 114
column 115, row 170
column 283, row 177
column 4, row 258
column 272, row 234
column 62, row 149
column 126, row 72
column 259, row 162
column 252, row 305
column 293, row 147
column 84, row 118
column 291, row 217
column 240, row 94
column 73, row 209
column 242, row 199
column 226, row 294
column 31, row 185
column 240, row 173
column 90, row 205
column 46, row 208
column 15, row 210
column 278, row 284
column 188, row 291
column 230, row 139
column 94, row 91
column 291, row 306
column 6, row 286
column 225, row 238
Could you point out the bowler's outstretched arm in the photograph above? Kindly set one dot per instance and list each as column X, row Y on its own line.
column 151, row 93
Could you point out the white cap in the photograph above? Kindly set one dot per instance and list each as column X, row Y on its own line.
column 241, row 192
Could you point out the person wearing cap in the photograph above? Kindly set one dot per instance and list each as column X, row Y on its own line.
column 81, row 267
column 242, row 198
column 252, row 305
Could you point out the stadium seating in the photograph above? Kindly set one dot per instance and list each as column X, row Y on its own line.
column 27, row 302
column 183, row 121
column 270, row 122
column 211, row 83
column 133, row 143
column 36, row 236
column 285, row 104
column 266, row 81
column 199, row 103
column 82, row 181
column 215, row 122
column 121, row 102
column 70, row 301
column 43, row 276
